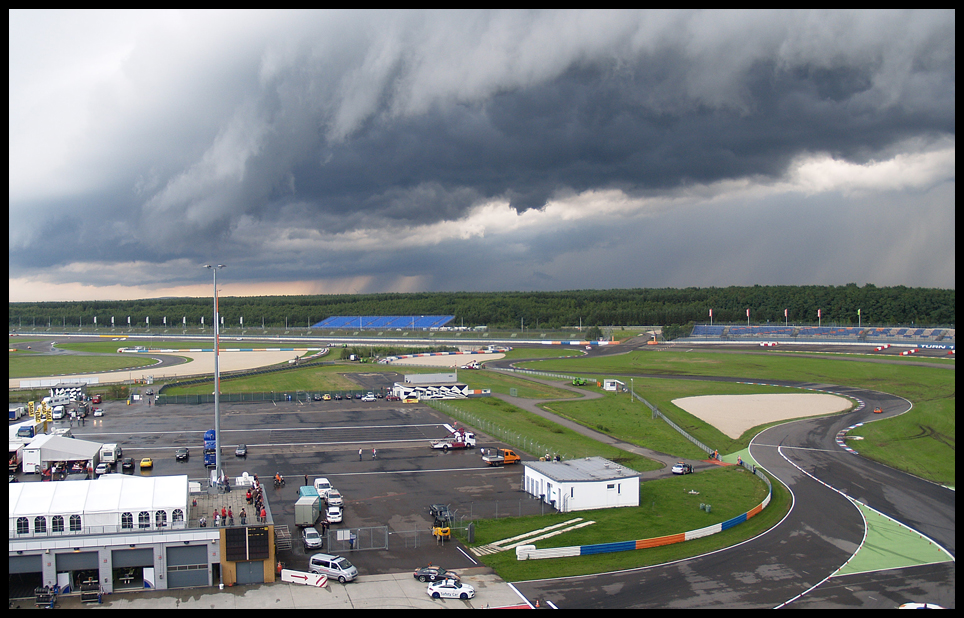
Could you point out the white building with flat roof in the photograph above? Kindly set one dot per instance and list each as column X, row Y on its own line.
column 582, row 484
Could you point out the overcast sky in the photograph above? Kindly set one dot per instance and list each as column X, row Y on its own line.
column 338, row 152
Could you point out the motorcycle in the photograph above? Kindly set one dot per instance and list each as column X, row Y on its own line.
column 278, row 483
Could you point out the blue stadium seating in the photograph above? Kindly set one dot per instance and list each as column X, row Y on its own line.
column 363, row 322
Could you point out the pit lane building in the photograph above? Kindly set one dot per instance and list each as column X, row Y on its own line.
column 125, row 531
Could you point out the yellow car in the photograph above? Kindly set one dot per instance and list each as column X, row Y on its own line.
column 326, row 397
column 147, row 462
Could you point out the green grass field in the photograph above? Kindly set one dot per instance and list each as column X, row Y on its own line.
column 921, row 442
column 666, row 507
column 35, row 365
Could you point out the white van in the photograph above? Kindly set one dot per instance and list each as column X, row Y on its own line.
column 335, row 567
column 322, row 486
column 58, row 413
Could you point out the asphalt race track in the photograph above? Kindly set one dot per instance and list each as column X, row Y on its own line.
column 791, row 564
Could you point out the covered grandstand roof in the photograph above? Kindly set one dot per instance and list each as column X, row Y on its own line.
column 385, row 321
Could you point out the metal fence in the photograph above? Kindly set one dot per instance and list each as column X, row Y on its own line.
column 519, row 440
column 356, row 539
column 295, row 396
column 653, row 409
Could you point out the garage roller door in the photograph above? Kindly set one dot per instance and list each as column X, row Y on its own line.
column 187, row 567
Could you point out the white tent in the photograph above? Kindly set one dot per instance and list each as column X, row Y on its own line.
column 49, row 448
column 100, row 503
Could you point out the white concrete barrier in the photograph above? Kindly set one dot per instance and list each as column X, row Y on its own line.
column 305, row 579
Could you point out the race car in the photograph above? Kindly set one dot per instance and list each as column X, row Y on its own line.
column 877, row 410
column 682, row 468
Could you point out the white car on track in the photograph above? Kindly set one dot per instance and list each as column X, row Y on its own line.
column 450, row 589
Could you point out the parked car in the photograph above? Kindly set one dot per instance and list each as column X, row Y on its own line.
column 311, row 538
column 322, row 486
column 434, row 573
column 338, row 397
column 450, row 589
column 182, row 454
column 241, row 451
column 316, row 397
column 334, row 498
column 98, row 412
column 326, row 397
column 102, row 468
column 369, row 397
column 127, row 463
column 334, row 514
column 393, row 398
column 335, row 567
column 682, row 468
column 147, row 462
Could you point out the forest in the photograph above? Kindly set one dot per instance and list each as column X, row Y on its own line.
column 838, row 305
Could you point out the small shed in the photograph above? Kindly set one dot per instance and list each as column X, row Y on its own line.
column 582, row 484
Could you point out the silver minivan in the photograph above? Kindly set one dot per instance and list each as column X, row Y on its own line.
column 334, row 567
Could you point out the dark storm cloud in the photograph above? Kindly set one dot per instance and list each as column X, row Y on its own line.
column 330, row 123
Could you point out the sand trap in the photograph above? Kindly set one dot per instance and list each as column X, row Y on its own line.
column 734, row 414
column 447, row 360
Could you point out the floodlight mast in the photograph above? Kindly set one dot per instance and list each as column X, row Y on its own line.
column 217, row 379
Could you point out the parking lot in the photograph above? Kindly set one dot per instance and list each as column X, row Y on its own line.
column 314, row 439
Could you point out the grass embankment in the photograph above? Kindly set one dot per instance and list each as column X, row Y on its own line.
column 921, row 441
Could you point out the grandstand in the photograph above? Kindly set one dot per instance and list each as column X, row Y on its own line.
column 385, row 322
column 815, row 334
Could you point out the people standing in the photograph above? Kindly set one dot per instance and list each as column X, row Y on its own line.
column 359, row 454
column 264, row 515
column 374, row 453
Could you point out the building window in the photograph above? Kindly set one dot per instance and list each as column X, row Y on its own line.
column 127, row 520
column 23, row 525
column 57, row 525
column 611, row 486
column 40, row 524
column 75, row 523
column 143, row 519
column 160, row 519
column 177, row 515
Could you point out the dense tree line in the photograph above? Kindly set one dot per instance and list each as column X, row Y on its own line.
column 883, row 306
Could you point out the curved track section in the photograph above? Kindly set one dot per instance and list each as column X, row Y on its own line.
column 794, row 563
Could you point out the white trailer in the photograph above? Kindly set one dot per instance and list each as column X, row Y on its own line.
column 111, row 453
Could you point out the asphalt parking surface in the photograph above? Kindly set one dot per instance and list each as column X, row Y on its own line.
column 323, row 439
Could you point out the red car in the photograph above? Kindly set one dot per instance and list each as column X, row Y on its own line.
column 878, row 411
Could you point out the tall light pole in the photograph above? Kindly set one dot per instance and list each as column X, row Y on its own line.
column 217, row 379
